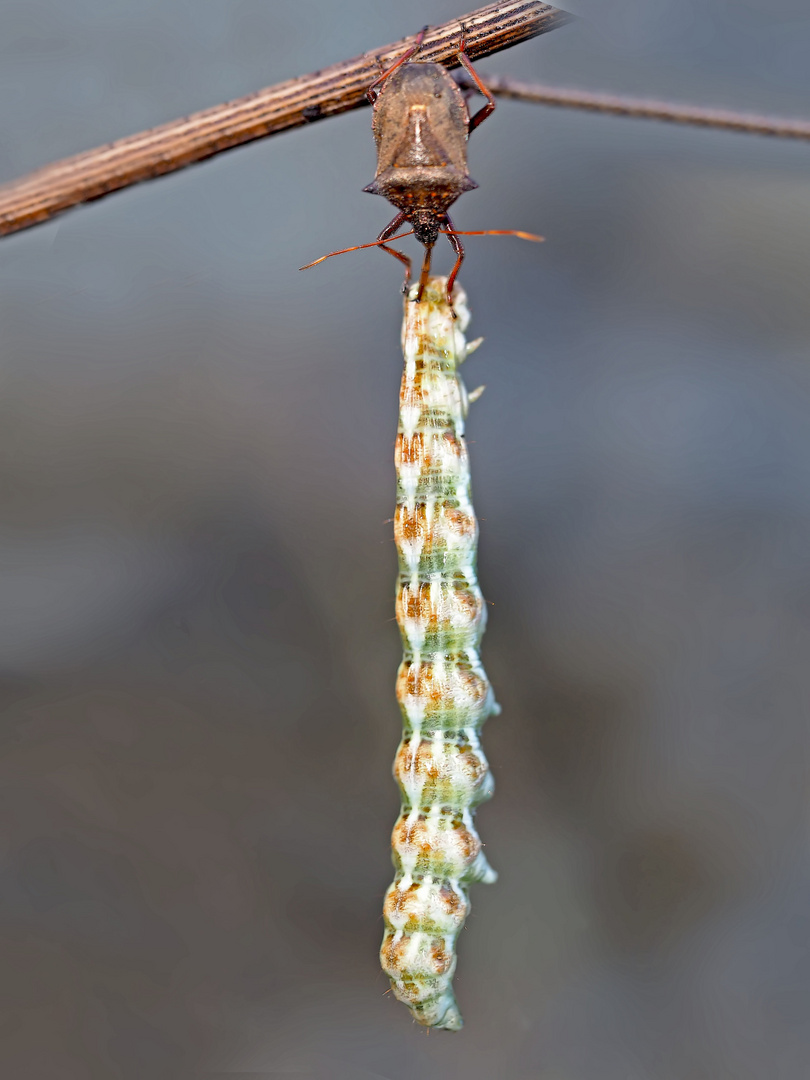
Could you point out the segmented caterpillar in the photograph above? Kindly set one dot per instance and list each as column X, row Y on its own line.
column 442, row 688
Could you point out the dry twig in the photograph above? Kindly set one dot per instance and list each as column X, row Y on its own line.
column 40, row 195
column 749, row 123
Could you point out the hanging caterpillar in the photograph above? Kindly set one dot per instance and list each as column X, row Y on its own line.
column 443, row 691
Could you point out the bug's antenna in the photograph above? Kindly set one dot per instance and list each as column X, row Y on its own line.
column 358, row 247
column 494, row 232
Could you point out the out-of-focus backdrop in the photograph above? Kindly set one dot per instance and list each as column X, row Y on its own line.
column 196, row 573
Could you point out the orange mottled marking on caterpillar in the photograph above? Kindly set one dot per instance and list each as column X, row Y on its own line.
column 430, row 526
column 442, row 608
column 451, row 682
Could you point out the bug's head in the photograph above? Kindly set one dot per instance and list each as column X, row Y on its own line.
column 426, row 226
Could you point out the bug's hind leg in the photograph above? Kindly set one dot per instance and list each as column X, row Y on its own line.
column 373, row 91
column 485, row 110
column 389, row 230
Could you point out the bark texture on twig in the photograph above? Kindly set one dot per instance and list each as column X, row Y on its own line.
column 643, row 108
column 40, row 195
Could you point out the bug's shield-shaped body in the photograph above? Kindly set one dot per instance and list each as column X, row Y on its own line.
column 442, row 688
column 420, row 126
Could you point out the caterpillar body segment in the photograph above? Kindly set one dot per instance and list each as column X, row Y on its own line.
column 442, row 688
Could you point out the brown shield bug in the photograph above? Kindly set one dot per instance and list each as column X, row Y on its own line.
column 421, row 125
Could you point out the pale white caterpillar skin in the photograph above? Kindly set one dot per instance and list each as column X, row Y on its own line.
column 442, row 688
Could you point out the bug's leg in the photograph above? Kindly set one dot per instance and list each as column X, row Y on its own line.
column 463, row 83
column 406, row 284
column 372, row 91
column 458, row 247
column 389, row 230
column 485, row 110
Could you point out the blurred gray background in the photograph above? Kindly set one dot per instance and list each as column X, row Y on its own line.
column 196, row 575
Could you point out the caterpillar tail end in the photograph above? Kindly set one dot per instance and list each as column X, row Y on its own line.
column 427, row 993
column 452, row 1019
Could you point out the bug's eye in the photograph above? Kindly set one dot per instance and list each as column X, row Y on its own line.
column 437, row 93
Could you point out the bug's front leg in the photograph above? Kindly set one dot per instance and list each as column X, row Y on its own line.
column 389, row 231
column 458, row 247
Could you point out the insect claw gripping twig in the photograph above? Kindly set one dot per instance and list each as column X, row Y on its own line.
column 372, row 91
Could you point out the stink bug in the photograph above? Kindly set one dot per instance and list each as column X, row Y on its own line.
column 421, row 125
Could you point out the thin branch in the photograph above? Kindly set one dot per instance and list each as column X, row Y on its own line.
column 749, row 123
column 40, row 195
